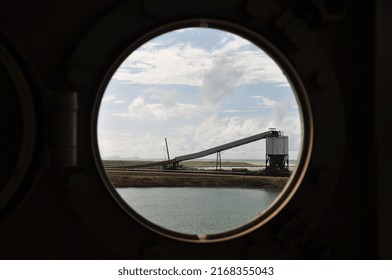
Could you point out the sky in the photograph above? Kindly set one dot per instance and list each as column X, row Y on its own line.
column 199, row 88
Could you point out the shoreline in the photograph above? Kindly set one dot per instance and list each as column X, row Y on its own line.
column 150, row 179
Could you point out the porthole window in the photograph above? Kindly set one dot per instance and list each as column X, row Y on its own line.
column 200, row 132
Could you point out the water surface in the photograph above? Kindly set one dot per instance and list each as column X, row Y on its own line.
column 199, row 210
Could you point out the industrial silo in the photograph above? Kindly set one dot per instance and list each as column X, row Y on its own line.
column 277, row 153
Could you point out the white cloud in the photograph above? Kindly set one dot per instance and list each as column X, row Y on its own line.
column 231, row 43
column 220, row 80
column 168, row 62
column 216, row 131
column 130, row 145
column 284, row 116
column 177, row 64
column 192, row 136
column 196, row 117
column 139, row 110
column 259, row 68
column 112, row 99
column 108, row 98
column 265, row 102
column 195, row 137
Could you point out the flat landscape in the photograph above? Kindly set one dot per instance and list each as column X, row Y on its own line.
column 186, row 164
column 193, row 175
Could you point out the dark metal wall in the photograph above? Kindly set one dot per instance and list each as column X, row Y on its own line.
column 43, row 220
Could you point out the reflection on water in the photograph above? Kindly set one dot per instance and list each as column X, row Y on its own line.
column 199, row 210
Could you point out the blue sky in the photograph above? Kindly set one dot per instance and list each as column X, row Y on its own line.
column 199, row 88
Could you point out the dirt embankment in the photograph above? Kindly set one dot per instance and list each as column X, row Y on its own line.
column 123, row 179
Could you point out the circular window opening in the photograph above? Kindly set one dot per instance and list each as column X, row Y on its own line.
column 200, row 134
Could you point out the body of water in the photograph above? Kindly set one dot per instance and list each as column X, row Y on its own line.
column 199, row 210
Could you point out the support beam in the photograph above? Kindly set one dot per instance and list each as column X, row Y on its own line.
column 218, row 165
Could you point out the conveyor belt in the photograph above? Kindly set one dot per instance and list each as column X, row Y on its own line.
column 227, row 146
column 174, row 162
